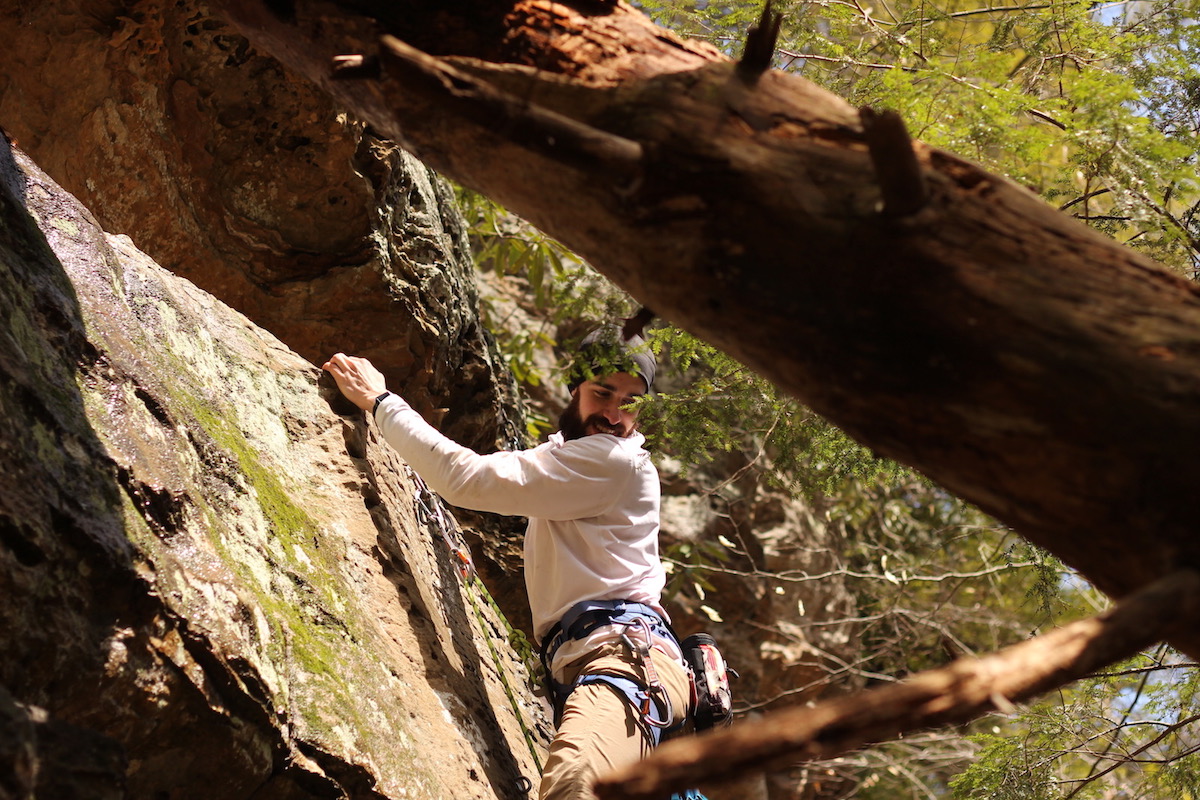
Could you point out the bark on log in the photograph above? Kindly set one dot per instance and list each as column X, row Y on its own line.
column 1028, row 364
column 958, row 693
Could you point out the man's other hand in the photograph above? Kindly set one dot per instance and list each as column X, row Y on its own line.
column 358, row 379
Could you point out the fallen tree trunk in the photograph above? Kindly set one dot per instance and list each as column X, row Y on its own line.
column 944, row 316
column 955, row 694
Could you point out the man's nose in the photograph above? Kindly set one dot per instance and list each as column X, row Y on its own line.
column 612, row 413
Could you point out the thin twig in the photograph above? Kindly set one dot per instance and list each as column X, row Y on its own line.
column 1144, row 747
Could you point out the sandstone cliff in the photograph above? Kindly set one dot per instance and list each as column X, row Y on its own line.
column 215, row 585
column 230, row 172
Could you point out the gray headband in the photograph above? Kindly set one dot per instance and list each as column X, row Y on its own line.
column 605, row 350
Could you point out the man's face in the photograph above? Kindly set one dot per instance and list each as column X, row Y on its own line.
column 602, row 406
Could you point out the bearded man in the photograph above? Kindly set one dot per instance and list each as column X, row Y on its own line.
column 592, row 569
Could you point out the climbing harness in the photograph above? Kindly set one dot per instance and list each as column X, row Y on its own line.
column 648, row 696
column 706, row 669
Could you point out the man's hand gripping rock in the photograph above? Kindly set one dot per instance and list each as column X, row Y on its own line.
column 357, row 379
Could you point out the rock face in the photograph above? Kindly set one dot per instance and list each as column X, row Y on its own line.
column 228, row 172
column 43, row 757
column 214, row 583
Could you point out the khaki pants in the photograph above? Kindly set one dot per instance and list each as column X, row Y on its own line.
column 599, row 731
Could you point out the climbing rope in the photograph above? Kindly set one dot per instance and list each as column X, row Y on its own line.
column 432, row 513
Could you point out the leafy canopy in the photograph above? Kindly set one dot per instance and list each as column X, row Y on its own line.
column 1094, row 106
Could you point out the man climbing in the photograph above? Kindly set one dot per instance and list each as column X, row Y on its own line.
column 592, row 569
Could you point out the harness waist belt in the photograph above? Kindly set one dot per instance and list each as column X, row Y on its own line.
column 583, row 618
column 586, row 616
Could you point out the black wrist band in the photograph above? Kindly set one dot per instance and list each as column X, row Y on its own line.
column 378, row 400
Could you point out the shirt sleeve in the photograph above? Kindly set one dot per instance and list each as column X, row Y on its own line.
column 575, row 480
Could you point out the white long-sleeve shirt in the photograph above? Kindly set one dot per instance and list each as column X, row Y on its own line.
column 592, row 505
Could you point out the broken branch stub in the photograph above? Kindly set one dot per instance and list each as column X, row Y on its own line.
column 760, row 44
column 895, row 162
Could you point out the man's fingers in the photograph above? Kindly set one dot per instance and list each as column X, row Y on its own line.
column 336, row 361
column 341, row 365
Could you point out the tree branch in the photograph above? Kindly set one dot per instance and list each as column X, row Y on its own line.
column 957, row 693
column 1028, row 364
column 539, row 130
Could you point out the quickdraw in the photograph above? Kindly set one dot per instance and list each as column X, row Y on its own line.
column 641, row 653
column 431, row 512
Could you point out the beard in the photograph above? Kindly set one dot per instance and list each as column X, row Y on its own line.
column 573, row 426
